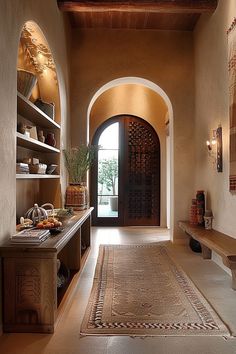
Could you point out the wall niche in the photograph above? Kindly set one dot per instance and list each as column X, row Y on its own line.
column 38, row 114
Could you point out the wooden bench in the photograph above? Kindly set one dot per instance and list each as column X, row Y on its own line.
column 212, row 240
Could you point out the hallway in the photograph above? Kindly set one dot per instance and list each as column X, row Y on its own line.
column 212, row 281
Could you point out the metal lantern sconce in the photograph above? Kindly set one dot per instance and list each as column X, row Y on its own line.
column 215, row 148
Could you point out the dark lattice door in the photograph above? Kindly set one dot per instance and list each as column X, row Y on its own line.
column 141, row 173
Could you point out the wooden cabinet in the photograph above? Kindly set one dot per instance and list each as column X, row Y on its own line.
column 31, row 300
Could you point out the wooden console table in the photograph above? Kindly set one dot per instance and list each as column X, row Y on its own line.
column 212, row 240
column 30, row 294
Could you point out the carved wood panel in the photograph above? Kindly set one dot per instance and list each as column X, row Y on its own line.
column 30, row 292
column 139, row 174
column 142, row 206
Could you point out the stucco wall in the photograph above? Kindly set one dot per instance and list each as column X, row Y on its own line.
column 13, row 14
column 212, row 109
column 163, row 57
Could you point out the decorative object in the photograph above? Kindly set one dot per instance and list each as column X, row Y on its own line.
column 50, row 169
column 22, row 167
column 49, row 208
column 193, row 213
column 50, row 139
column 139, row 290
column 208, row 219
column 211, row 143
column 215, row 148
column 63, row 213
column 41, row 137
column 195, row 245
column 200, row 207
column 21, row 128
column 26, row 81
column 37, row 49
column 232, row 104
column 78, row 161
column 38, row 169
column 47, row 108
column 63, row 275
column 36, row 214
column 219, row 158
column 33, row 132
column 193, row 219
column 76, row 196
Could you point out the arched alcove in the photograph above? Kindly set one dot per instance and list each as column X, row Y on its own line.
column 39, row 113
column 143, row 98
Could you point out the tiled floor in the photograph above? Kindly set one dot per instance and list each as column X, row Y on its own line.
column 213, row 282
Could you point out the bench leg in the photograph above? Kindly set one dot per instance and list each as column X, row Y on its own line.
column 233, row 278
column 206, row 252
column 232, row 266
column 230, row 262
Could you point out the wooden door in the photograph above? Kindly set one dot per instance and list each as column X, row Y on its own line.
column 139, row 175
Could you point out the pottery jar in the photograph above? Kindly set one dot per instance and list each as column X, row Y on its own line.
column 50, row 139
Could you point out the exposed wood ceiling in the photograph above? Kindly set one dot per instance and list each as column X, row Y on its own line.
column 137, row 14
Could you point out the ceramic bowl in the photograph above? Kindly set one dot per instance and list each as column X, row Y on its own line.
column 50, row 169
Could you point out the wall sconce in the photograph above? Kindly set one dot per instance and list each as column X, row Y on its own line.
column 214, row 147
column 212, row 142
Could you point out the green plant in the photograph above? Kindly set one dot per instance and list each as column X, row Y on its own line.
column 78, row 160
column 108, row 174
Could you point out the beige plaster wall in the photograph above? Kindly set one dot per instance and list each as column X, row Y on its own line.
column 139, row 101
column 163, row 57
column 212, row 109
column 13, row 14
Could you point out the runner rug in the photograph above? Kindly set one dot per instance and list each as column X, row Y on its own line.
column 139, row 290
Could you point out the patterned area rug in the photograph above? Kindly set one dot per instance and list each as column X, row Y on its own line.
column 138, row 290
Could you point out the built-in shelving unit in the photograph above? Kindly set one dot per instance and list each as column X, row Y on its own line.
column 27, row 109
column 36, row 188
column 32, row 144
column 35, row 176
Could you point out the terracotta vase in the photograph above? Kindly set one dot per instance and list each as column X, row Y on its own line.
column 193, row 213
column 77, row 196
column 200, row 207
column 50, row 139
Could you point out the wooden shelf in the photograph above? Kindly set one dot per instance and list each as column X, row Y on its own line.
column 32, row 144
column 35, row 176
column 27, row 109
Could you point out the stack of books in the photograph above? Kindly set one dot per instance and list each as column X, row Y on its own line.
column 22, row 167
column 32, row 236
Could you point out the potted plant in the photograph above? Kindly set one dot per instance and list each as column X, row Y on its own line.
column 78, row 161
column 107, row 177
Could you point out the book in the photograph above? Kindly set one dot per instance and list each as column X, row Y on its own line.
column 30, row 236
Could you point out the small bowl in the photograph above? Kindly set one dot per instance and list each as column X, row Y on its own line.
column 50, row 169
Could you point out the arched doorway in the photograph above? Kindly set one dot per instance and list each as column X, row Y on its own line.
column 143, row 98
column 125, row 181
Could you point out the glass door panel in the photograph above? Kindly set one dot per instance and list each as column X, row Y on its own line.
column 108, row 167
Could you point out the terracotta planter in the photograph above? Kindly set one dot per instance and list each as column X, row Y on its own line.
column 77, row 196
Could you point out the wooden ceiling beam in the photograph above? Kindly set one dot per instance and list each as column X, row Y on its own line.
column 156, row 6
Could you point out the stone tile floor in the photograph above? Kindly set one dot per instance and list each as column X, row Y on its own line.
column 213, row 282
